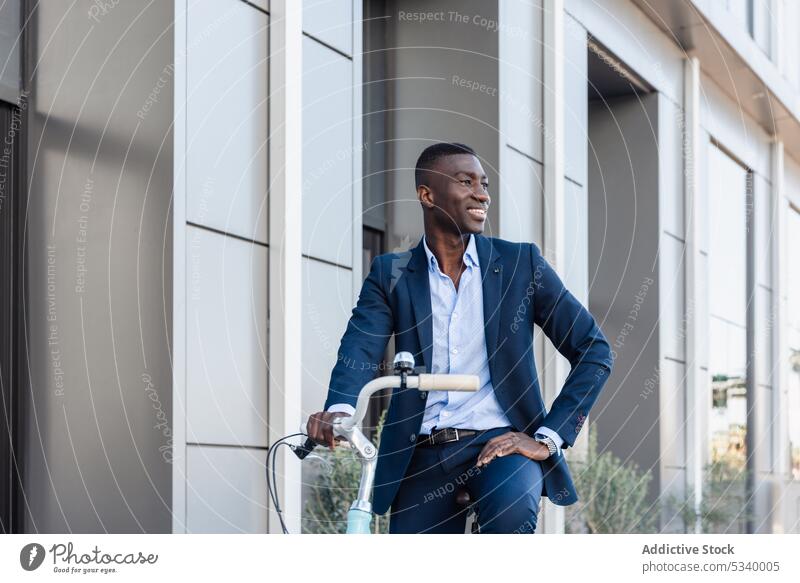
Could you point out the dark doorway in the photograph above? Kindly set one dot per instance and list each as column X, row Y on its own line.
column 623, row 187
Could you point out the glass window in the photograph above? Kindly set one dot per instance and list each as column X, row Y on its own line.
column 727, row 262
column 793, row 337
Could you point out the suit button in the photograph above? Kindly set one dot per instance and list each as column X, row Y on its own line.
column 412, row 438
column 423, row 395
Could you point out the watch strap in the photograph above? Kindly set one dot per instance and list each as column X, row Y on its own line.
column 547, row 441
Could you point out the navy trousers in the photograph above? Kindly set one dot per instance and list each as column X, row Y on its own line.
column 505, row 493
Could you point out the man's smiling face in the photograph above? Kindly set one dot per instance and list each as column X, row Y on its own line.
column 460, row 192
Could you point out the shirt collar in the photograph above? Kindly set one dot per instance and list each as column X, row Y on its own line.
column 470, row 254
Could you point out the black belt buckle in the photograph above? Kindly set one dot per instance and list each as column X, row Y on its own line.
column 448, row 434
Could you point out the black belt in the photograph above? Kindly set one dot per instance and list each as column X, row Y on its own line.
column 445, row 435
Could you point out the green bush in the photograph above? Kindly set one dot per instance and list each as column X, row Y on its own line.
column 723, row 506
column 612, row 495
column 335, row 489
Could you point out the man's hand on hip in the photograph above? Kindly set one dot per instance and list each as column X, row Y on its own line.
column 512, row 442
column 320, row 427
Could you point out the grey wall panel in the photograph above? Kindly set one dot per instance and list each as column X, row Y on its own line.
column 226, row 332
column 521, row 211
column 791, row 178
column 226, row 490
column 227, row 117
column 263, row 4
column 576, row 236
column 576, row 132
column 97, row 313
column 670, row 141
column 765, row 422
column 790, row 507
column 763, row 14
column 672, row 322
column 764, row 328
column 521, row 76
column 673, row 483
column 701, row 163
column 723, row 118
column 331, row 21
column 762, row 210
column 671, row 378
column 701, row 310
column 738, row 10
column 766, row 501
column 328, row 152
column 790, row 42
column 727, row 241
column 327, row 302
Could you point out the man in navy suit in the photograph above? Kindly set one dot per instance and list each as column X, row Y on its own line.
column 464, row 303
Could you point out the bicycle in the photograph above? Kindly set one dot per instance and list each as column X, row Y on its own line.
column 359, row 516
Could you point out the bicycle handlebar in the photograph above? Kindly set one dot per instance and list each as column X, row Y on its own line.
column 448, row 382
column 423, row 382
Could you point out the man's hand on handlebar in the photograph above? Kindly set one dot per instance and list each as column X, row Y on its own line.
column 320, row 427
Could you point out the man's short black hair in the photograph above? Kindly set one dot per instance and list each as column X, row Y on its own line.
column 430, row 155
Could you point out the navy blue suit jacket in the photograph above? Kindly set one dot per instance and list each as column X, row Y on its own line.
column 520, row 289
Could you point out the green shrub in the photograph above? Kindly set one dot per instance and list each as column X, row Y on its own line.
column 335, row 489
column 723, row 506
column 612, row 495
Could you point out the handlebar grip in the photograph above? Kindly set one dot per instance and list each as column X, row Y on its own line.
column 449, row 382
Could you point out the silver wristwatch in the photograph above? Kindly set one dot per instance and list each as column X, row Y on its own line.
column 551, row 445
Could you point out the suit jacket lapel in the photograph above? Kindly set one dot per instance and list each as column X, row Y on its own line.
column 492, row 279
column 420, row 292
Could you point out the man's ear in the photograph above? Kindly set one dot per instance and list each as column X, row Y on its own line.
column 425, row 196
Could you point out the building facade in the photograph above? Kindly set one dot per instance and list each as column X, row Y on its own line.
column 204, row 183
